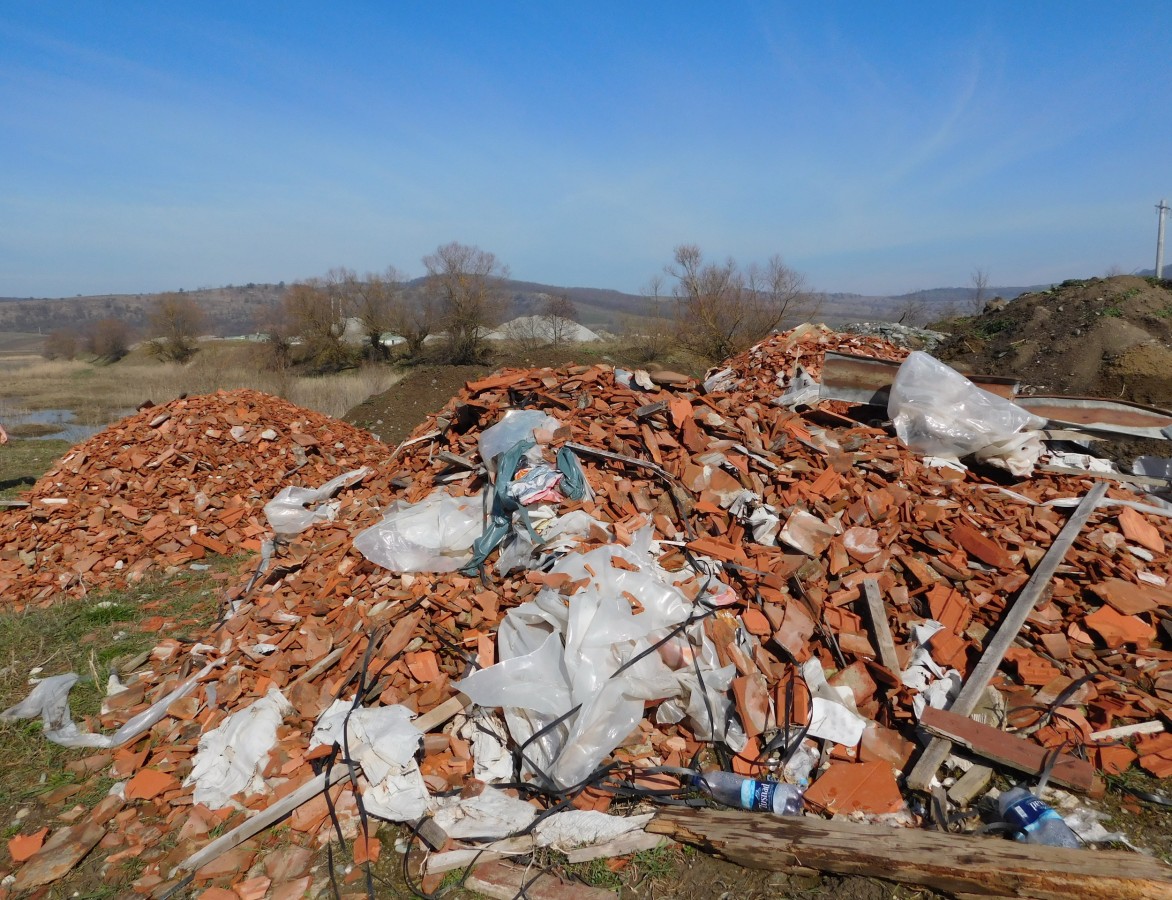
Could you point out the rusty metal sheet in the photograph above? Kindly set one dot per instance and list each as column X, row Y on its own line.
column 861, row 379
column 1101, row 416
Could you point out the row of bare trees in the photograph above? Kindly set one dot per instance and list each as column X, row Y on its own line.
column 173, row 320
column 714, row 309
column 460, row 300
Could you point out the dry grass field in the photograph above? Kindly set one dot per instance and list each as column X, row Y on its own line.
column 97, row 393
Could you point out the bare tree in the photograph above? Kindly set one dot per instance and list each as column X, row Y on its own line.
column 980, row 282
column 108, row 339
column 722, row 309
column 279, row 333
column 414, row 316
column 558, row 316
column 913, row 311
column 464, row 284
column 174, row 321
column 649, row 337
column 315, row 311
column 373, row 302
column 60, row 344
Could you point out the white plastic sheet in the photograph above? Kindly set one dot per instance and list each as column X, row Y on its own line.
column 583, row 827
column 434, row 535
column 832, row 714
column 295, row 509
column 489, row 814
column 384, row 742
column 49, row 699
column 938, row 412
column 230, row 758
column 560, row 659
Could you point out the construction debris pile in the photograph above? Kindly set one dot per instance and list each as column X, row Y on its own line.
column 647, row 575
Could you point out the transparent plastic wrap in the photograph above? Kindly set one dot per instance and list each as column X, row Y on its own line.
column 295, row 509
column 49, row 699
column 516, row 425
column 583, row 664
column 938, row 412
column 434, row 535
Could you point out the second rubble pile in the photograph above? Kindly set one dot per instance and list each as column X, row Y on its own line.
column 702, row 590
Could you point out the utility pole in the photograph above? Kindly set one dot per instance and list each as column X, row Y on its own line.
column 1163, row 213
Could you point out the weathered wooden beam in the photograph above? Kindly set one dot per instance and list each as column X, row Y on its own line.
column 1007, row 749
column 970, row 784
column 921, row 775
column 884, row 642
column 955, row 864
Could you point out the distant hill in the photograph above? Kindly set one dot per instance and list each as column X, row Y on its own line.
column 237, row 309
column 228, row 310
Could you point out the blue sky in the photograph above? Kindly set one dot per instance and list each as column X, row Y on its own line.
column 879, row 147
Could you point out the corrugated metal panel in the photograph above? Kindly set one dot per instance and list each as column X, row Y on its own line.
column 861, row 379
column 1103, row 416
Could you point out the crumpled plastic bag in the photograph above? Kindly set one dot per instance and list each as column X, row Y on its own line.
column 936, row 411
column 560, row 662
column 383, row 741
column 585, row 827
column 434, row 535
column 49, row 699
column 295, row 509
column 231, row 757
column 489, row 814
column 515, row 426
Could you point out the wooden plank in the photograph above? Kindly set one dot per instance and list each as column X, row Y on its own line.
column 981, row 866
column 1007, row 749
column 630, row 843
column 921, row 775
column 262, row 820
column 970, row 784
column 884, row 643
column 1123, row 731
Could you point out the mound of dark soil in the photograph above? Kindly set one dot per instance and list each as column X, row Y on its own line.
column 1104, row 337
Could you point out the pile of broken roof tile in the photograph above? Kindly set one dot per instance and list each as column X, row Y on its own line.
column 948, row 550
column 164, row 488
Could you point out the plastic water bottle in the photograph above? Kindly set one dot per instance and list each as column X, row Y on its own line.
column 746, row 793
column 1038, row 823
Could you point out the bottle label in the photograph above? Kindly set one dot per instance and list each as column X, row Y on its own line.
column 1028, row 813
column 757, row 795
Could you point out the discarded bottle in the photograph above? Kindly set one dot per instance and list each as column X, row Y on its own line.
column 1038, row 823
column 760, row 796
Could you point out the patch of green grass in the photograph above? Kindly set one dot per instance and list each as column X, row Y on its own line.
column 86, row 637
column 597, row 874
column 1114, row 312
column 992, row 326
column 22, row 462
column 1165, row 312
column 657, row 863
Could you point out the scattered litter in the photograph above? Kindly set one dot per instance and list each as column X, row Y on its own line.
column 936, row 411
